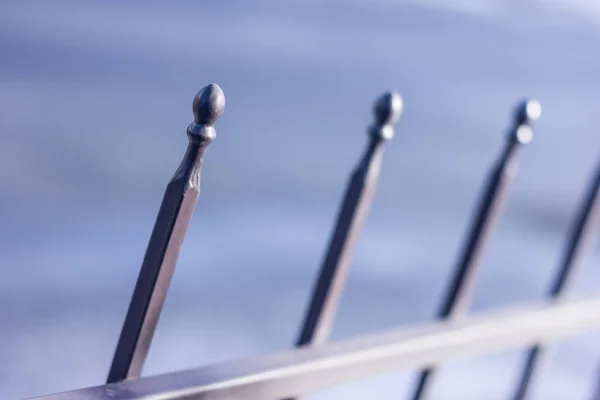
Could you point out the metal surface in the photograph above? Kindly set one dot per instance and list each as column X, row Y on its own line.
column 596, row 389
column 355, row 207
column 580, row 244
column 316, row 364
column 310, row 368
column 167, row 238
column 458, row 296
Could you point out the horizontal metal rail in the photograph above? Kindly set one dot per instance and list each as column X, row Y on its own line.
column 311, row 368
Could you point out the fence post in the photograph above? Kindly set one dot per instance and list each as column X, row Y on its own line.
column 355, row 207
column 580, row 243
column 596, row 388
column 459, row 293
column 165, row 243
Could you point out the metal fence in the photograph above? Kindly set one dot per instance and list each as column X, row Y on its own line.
column 314, row 363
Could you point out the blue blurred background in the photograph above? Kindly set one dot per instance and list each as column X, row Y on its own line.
column 95, row 97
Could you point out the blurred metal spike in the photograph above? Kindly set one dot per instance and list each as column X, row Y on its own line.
column 165, row 243
column 596, row 388
column 458, row 295
column 580, row 243
column 355, row 207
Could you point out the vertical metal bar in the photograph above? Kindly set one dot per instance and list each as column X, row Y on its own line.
column 596, row 389
column 356, row 204
column 355, row 207
column 458, row 296
column 165, row 243
column 583, row 235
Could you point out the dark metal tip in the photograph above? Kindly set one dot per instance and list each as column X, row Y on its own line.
column 208, row 105
column 525, row 114
column 387, row 110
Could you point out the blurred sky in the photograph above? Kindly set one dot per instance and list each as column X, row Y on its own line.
column 95, row 97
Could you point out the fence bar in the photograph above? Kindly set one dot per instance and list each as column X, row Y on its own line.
column 315, row 367
column 580, row 244
column 491, row 204
column 596, row 388
column 167, row 238
column 355, row 207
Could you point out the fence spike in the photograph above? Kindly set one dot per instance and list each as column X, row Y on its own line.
column 355, row 207
column 458, row 296
column 583, row 235
column 167, row 237
column 596, row 387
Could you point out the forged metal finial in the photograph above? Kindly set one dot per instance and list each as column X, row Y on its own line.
column 525, row 114
column 208, row 106
column 356, row 203
column 174, row 216
column 387, row 110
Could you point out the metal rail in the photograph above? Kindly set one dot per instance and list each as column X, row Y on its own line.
column 316, row 364
column 311, row 368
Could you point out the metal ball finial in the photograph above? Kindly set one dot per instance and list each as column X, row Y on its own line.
column 208, row 105
column 527, row 112
column 387, row 111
